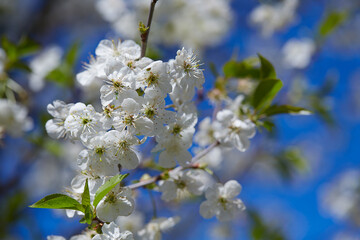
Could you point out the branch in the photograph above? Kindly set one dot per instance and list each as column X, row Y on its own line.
column 145, row 35
column 193, row 161
column 204, row 152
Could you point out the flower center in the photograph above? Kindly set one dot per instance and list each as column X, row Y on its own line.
column 85, row 121
column 111, row 198
column 128, row 119
column 152, row 79
column 150, row 112
column 123, row 144
column 117, row 84
column 100, row 150
column 176, row 129
column 187, row 67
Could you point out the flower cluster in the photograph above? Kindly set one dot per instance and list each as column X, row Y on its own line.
column 181, row 22
column 231, row 128
column 133, row 93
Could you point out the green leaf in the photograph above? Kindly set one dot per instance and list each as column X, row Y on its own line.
column 331, row 22
column 268, row 125
column 21, row 65
column 107, row 187
column 72, row 54
column 10, row 49
column 265, row 93
column 89, row 215
column 142, row 28
column 85, row 197
column 243, row 69
column 64, row 75
column 296, row 159
column 213, row 69
column 285, row 109
column 267, row 70
column 289, row 161
column 58, row 201
column 27, row 46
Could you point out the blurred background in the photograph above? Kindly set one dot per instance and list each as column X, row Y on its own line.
column 301, row 180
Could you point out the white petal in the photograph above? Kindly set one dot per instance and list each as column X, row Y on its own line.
column 166, row 159
column 207, row 210
column 231, row 189
column 129, row 159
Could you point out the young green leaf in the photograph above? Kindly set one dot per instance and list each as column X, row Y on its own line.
column 21, row 66
column 58, row 201
column 332, row 21
column 267, row 70
column 285, row 109
column 27, row 46
column 85, row 197
column 107, row 187
column 265, row 93
column 10, row 48
column 64, row 74
column 89, row 215
column 268, row 125
column 243, row 69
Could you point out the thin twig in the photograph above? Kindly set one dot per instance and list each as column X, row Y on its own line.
column 144, row 36
column 204, row 152
column 153, row 204
column 193, row 161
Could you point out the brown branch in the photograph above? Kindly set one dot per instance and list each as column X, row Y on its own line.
column 144, row 36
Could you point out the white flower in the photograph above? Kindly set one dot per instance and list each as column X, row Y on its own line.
column 221, row 201
column 42, row 65
column 113, row 232
column 53, row 237
column 153, row 108
column 113, row 49
column 94, row 73
column 82, row 121
column 60, row 111
column 117, row 86
column 273, row 17
column 122, row 148
column 118, row 202
column 298, row 53
column 180, row 184
column 98, row 157
column 14, row 118
column 341, row 197
column 84, row 236
column 175, row 140
column 205, row 133
column 186, row 67
column 94, row 182
column 155, row 77
column 234, row 131
column 132, row 223
column 155, row 227
column 130, row 118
